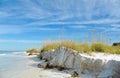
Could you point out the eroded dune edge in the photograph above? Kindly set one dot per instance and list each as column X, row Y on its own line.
column 96, row 65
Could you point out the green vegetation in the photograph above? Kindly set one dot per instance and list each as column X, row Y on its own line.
column 32, row 51
column 116, row 44
column 114, row 50
column 49, row 46
column 80, row 47
column 68, row 44
column 98, row 47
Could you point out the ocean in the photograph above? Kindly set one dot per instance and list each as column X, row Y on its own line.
column 11, row 63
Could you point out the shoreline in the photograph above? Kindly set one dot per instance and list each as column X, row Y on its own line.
column 28, row 68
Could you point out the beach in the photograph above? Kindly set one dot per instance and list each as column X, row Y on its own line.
column 19, row 65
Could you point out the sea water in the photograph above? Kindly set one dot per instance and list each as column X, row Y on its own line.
column 11, row 63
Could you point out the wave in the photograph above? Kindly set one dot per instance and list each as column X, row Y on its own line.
column 18, row 53
column 12, row 53
column 3, row 54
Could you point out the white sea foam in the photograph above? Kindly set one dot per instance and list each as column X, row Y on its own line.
column 14, row 54
column 18, row 53
column 3, row 54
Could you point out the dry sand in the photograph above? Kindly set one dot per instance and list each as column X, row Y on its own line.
column 32, row 71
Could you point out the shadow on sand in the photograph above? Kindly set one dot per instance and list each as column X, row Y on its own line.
column 34, row 61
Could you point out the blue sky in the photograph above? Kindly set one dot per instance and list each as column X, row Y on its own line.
column 26, row 23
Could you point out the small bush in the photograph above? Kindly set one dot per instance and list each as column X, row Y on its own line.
column 114, row 50
column 87, row 49
column 116, row 44
column 97, row 47
column 32, row 51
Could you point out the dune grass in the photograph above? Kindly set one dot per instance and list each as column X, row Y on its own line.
column 68, row 44
column 99, row 47
column 114, row 50
column 80, row 47
column 49, row 46
column 32, row 51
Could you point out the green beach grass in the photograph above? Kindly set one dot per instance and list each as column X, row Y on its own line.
column 32, row 51
column 80, row 47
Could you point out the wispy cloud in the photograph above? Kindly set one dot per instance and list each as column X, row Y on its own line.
column 46, row 29
column 100, row 21
column 4, row 14
column 116, row 25
column 21, row 41
column 77, row 27
column 10, row 29
column 16, row 29
column 23, row 16
column 64, row 10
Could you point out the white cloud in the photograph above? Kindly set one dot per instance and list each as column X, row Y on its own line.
column 65, row 9
column 59, row 12
column 77, row 27
column 17, row 29
column 4, row 14
column 100, row 21
column 115, row 25
column 21, row 41
column 10, row 29
column 113, row 29
column 46, row 29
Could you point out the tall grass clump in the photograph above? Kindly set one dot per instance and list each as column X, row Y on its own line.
column 68, row 44
column 50, row 46
column 87, row 48
column 32, row 51
column 114, row 50
column 98, row 47
column 82, row 47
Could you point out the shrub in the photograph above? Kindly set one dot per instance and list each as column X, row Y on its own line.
column 114, row 50
column 97, row 47
column 32, row 51
column 87, row 48
column 116, row 44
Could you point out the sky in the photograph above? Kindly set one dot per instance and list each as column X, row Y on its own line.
column 27, row 23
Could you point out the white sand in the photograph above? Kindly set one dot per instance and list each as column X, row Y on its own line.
column 32, row 71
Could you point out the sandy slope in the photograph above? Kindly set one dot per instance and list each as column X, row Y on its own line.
column 96, row 65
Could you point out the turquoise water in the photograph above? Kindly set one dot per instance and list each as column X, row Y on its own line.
column 9, row 52
column 11, row 63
